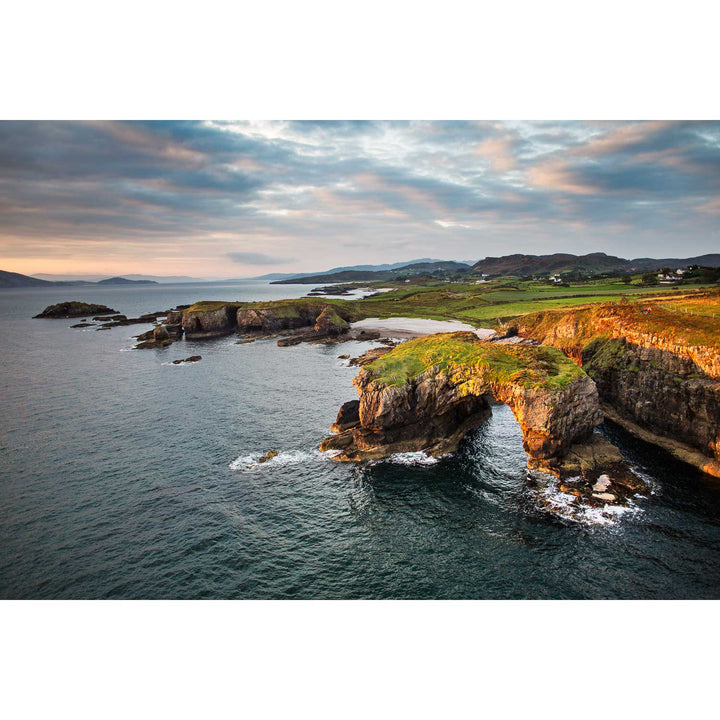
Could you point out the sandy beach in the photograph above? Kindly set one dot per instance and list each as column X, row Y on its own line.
column 401, row 327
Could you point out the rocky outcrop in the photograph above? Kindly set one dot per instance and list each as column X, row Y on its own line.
column 329, row 322
column 253, row 320
column 321, row 320
column 657, row 371
column 74, row 309
column 427, row 393
column 278, row 317
column 191, row 359
column 370, row 356
column 160, row 336
column 209, row 320
column 348, row 417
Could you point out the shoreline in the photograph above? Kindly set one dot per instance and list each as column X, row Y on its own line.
column 408, row 328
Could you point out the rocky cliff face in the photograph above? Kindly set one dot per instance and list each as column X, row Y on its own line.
column 209, row 322
column 660, row 390
column 276, row 318
column 410, row 400
column 657, row 371
column 213, row 319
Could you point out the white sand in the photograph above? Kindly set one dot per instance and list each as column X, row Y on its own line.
column 417, row 327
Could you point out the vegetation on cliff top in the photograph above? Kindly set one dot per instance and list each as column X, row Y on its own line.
column 282, row 308
column 487, row 304
column 692, row 321
column 464, row 351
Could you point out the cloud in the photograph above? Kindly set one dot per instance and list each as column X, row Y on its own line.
column 253, row 258
column 324, row 192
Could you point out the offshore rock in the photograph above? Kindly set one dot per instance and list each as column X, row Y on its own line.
column 269, row 455
column 73, row 309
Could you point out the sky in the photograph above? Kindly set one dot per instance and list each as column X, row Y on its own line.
column 224, row 199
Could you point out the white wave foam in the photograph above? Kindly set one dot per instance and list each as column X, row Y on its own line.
column 411, row 458
column 286, row 457
column 570, row 508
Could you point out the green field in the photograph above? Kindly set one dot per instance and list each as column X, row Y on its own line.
column 483, row 305
column 495, row 302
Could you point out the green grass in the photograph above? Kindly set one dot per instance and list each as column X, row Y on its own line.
column 663, row 320
column 474, row 360
column 495, row 301
column 210, row 306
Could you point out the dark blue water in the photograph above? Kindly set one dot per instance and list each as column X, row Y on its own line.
column 123, row 476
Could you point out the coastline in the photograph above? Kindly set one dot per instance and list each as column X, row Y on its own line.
column 407, row 328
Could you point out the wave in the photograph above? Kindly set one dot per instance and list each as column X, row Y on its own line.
column 286, row 457
column 409, row 458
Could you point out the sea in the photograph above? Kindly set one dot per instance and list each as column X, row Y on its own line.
column 123, row 475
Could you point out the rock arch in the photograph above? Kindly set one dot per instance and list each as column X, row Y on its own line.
column 437, row 388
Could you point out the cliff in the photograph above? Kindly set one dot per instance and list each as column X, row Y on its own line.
column 213, row 319
column 656, row 367
column 427, row 393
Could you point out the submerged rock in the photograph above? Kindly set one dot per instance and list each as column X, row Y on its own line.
column 110, row 318
column 192, row 358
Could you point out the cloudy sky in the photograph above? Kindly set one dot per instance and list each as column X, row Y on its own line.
column 234, row 199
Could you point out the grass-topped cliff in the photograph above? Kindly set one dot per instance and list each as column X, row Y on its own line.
column 692, row 321
column 282, row 308
column 464, row 352
column 486, row 304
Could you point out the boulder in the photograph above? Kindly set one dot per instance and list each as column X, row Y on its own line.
column 269, row 455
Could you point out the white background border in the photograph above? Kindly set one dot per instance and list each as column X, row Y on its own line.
column 280, row 60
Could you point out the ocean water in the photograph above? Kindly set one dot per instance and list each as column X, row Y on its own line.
column 124, row 476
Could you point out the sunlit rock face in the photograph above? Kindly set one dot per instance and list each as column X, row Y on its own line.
column 428, row 393
column 657, row 370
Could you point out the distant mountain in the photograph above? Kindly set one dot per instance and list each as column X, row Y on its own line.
column 11, row 279
column 352, row 268
column 16, row 280
column 389, row 273
column 709, row 260
column 96, row 278
column 125, row 281
column 592, row 264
